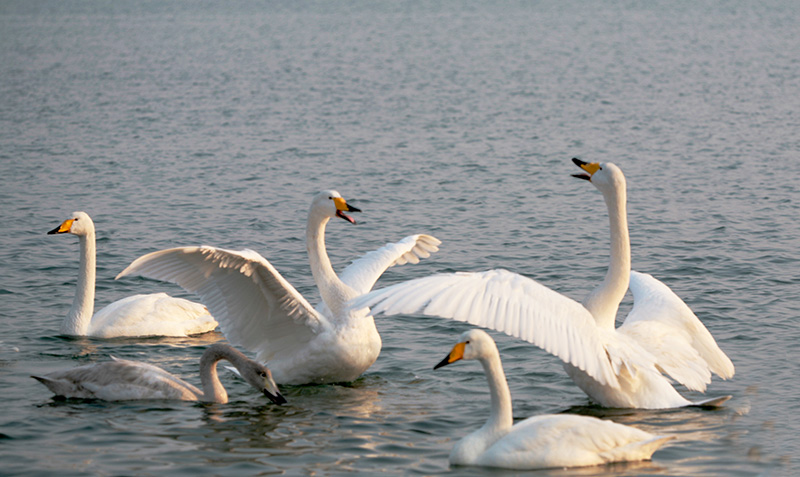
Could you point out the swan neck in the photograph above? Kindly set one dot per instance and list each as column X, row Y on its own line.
column 213, row 391
column 80, row 314
column 604, row 302
column 501, row 417
column 333, row 291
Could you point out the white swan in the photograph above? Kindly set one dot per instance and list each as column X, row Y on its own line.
column 262, row 312
column 123, row 380
column 156, row 314
column 551, row 440
column 615, row 367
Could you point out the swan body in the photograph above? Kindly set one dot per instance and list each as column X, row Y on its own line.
column 122, row 380
column 155, row 314
column 546, row 441
column 619, row 367
column 262, row 312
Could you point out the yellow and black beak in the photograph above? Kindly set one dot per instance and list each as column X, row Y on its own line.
column 456, row 354
column 342, row 207
column 63, row 228
column 590, row 167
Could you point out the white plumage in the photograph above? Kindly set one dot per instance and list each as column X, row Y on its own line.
column 262, row 312
column 616, row 367
column 546, row 441
column 156, row 314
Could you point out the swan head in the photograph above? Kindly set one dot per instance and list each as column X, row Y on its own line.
column 473, row 344
column 260, row 377
column 606, row 176
column 330, row 203
column 79, row 224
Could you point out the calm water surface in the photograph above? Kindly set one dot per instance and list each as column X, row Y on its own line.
column 184, row 123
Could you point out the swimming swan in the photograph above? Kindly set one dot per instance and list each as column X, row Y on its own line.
column 616, row 367
column 156, row 314
column 262, row 312
column 122, row 380
column 551, row 440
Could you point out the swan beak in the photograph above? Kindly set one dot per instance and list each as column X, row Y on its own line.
column 455, row 354
column 63, row 228
column 270, row 390
column 277, row 398
column 590, row 167
column 342, row 207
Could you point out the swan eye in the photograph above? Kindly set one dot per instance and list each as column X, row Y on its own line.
column 262, row 374
column 466, row 342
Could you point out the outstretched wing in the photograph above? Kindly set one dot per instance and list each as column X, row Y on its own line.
column 664, row 325
column 254, row 305
column 363, row 272
column 506, row 302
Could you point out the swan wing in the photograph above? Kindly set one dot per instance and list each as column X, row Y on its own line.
column 663, row 324
column 363, row 272
column 506, row 302
column 254, row 305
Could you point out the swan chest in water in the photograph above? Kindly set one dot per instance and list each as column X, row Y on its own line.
column 334, row 356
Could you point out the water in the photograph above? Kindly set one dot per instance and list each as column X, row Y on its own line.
column 182, row 123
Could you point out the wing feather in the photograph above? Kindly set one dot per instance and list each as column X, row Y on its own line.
column 662, row 323
column 363, row 272
column 254, row 305
column 547, row 319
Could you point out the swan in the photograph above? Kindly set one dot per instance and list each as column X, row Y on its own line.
column 262, row 312
column 123, row 380
column 550, row 440
column 619, row 367
column 156, row 314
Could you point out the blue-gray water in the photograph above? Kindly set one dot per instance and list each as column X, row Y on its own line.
column 188, row 122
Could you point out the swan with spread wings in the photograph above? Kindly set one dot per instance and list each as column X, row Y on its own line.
column 262, row 312
column 617, row 367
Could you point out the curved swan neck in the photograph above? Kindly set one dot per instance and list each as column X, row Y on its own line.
column 604, row 301
column 333, row 291
column 80, row 314
column 213, row 391
column 501, row 417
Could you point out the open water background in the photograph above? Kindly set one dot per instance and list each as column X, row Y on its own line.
column 191, row 122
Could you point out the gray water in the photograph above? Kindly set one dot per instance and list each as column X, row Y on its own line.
column 188, row 122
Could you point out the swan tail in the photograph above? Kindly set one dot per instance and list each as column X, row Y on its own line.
column 635, row 451
column 711, row 402
column 57, row 386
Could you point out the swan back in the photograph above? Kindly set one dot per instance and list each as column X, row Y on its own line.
column 119, row 380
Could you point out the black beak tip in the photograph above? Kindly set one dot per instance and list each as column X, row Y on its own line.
column 585, row 177
column 578, row 162
column 54, row 231
column 443, row 362
column 276, row 398
column 350, row 208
